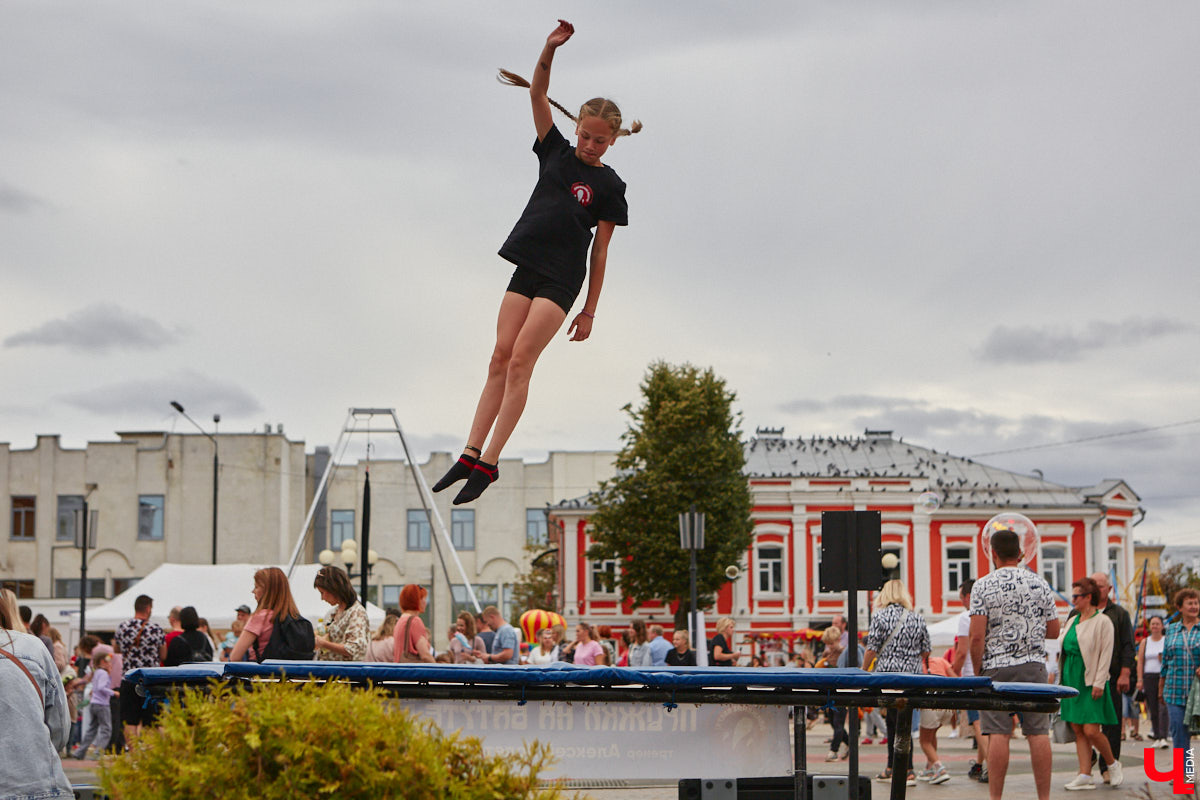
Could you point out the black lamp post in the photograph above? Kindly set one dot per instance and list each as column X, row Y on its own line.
column 691, row 538
column 216, row 464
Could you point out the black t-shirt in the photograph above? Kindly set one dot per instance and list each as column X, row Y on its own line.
column 676, row 659
column 719, row 641
column 555, row 229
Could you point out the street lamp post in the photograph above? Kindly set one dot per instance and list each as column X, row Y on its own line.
column 216, row 466
column 691, row 538
column 348, row 555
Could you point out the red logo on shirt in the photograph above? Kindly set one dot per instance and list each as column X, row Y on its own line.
column 583, row 193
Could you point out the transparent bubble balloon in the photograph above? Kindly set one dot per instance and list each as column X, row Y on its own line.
column 929, row 502
column 1019, row 524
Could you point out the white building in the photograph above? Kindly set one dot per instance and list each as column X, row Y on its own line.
column 153, row 494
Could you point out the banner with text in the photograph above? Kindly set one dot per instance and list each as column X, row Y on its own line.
column 627, row 740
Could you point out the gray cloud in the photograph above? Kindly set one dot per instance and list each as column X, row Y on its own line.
column 98, row 329
column 149, row 397
column 15, row 201
column 1029, row 344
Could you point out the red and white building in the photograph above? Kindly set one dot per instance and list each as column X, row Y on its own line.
column 1083, row 530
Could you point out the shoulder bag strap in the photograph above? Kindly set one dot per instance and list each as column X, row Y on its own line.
column 404, row 651
column 28, row 674
column 895, row 630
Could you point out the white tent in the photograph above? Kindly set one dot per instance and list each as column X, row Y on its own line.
column 942, row 634
column 215, row 590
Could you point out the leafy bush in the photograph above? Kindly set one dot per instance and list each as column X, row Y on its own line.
column 307, row 740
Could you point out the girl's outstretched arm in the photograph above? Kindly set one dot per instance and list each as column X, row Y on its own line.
column 542, row 119
column 581, row 326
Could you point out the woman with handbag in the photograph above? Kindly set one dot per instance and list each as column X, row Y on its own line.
column 897, row 642
column 1087, row 647
column 411, row 635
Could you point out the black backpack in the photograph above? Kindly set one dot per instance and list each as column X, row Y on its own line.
column 291, row 640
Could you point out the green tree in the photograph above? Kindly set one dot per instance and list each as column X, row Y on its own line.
column 682, row 446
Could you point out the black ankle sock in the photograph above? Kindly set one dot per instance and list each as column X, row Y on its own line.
column 458, row 470
column 480, row 478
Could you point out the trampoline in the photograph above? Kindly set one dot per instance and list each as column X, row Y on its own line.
column 670, row 686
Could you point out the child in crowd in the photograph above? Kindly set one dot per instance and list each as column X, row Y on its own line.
column 99, row 729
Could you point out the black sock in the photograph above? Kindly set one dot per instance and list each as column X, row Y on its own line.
column 458, row 470
column 481, row 477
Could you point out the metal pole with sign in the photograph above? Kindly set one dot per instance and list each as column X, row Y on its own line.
column 691, row 538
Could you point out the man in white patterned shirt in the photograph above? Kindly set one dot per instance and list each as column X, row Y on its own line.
column 1012, row 615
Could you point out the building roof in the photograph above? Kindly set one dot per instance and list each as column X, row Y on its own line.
column 961, row 482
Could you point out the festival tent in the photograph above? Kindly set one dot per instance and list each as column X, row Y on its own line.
column 943, row 634
column 215, row 590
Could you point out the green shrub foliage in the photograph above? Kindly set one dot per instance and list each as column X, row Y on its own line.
column 308, row 740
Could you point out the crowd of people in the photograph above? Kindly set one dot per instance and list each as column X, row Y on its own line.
column 84, row 702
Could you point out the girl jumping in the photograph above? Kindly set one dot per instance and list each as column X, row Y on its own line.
column 575, row 192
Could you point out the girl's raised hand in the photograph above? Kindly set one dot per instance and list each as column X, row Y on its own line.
column 561, row 34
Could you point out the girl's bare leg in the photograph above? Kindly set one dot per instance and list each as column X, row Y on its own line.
column 514, row 309
column 544, row 319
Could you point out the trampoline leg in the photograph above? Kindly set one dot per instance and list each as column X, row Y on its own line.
column 800, row 754
column 901, row 751
column 852, row 713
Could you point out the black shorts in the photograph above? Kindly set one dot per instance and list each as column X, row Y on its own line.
column 528, row 283
column 132, row 712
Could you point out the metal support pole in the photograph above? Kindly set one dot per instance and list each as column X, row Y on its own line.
column 216, row 469
column 693, row 611
column 852, row 645
column 83, row 548
column 799, row 753
column 901, row 750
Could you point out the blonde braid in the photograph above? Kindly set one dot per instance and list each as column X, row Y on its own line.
column 513, row 79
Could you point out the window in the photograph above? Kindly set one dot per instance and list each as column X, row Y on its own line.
column 487, row 594
column 23, row 518
column 121, row 584
column 462, row 529
column 599, row 568
column 958, row 567
column 769, row 567
column 391, row 595
column 391, row 599
column 341, row 527
column 536, row 532
column 150, row 517
column 510, row 608
column 418, row 529
column 1113, row 564
column 1054, row 567
column 68, row 504
column 69, row 587
column 20, row 587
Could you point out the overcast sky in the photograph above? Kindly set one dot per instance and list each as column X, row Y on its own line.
column 972, row 223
